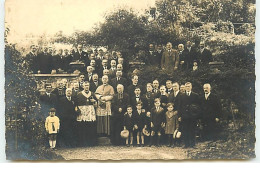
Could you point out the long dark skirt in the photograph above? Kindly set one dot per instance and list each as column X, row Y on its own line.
column 86, row 133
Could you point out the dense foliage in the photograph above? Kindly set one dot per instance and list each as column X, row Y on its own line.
column 170, row 20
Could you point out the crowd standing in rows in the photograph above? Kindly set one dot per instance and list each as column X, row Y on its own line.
column 104, row 101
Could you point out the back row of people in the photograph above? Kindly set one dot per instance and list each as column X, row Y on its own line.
column 169, row 59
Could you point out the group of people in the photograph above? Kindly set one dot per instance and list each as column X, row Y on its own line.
column 104, row 101
column 46, row 60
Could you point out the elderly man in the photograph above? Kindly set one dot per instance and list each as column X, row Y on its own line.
column 119, row 104
column 67, row 114
column 189, row 112
column 112, row 70
column 60, row 90
column 170, row 58
column 211, row 112
column 89, row 73
column 103, row 67
column 183, row 64
column 95, row 83
column 104, row 94
column 75, row 90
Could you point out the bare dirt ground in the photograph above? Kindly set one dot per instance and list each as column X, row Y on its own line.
column 123, row 153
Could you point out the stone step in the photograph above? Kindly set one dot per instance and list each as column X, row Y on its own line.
column 101, row 141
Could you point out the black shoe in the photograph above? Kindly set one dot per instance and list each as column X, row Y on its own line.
column 172, row 146
column 142, row 145
column 127, row 145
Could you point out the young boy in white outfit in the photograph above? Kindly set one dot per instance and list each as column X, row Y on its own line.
column 52, row 126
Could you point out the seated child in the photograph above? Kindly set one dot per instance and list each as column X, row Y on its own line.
column 129, row 124
column 52, row 126
column 140, row 122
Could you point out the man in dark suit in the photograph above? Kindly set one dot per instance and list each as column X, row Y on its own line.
column 119, row 104
column 89, row 74
column 67, row 59
column 47, row 100
column 136, row 98
column 75, row 90
column 149, row 97
column 169, row 89
column 152, row 57
column 82, row 56
column 67, row 115
column 124, row 63
column 211, row 112
column 44, row 62
column 81, row 81
column 204, row 55
column 190, row 55
column 59, row 61
column 60, row 90
column 189, row 112
column 156, row 89
column 31, row 60
column 96, row 82
column 170, row 58
column 131, row 88
column 118, row 80
column 174, row 96
column 159, row 54
column 103, row 67
column 112, row 70
column 183, row 64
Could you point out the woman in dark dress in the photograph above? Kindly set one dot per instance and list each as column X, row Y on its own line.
column 86, row 119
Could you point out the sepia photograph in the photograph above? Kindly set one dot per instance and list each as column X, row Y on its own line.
column 129, row 80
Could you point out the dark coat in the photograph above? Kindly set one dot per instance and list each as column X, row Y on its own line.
column 133, row 102
column 170, row 59
column 210, row 108
column 66, row 109
column 59, row 62
column 119, row 103
column 59, row 93
column 140, row 120
column 131, row 89
column 175, row 100
column 190, row 57
column 31, row 62
column 153, row 58
column 94, row 86
column 68, row 59
column 189, row 106
column 149, row 100
column 82, row 57
column 114, row 82
column 157, row 118
column 47, row 103
column 128, row 122
column 44, row 63
column 205, row 57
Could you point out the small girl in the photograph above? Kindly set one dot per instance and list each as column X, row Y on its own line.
column 129, row 125
column 52, row 126
column 171, row 123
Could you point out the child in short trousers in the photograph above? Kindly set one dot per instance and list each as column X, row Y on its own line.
column 52, row 126
column 128, row 125
column 140, row 122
